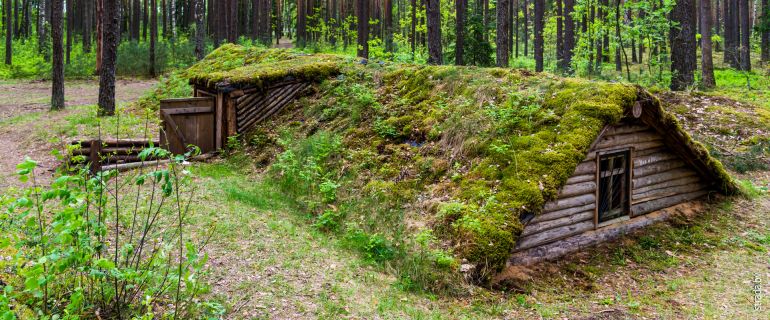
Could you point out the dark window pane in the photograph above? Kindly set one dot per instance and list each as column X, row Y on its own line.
column 613, row 184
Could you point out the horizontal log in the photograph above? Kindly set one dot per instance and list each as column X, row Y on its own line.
column 650, row 206
column 585, row 239
column 576, row 189
column 532, row 229
column 565, row 203
column 643, row 171
column 640, row 149
column 582, row 178
column 627, row 140
column 644, row 160
column 585, row 167
column 115, row 143
column 667, row 192
column 132, row 165
column 551, row 215
column 666, row 184
column 646, row 152
column 553, row 235
column 625, row 129
column 641, row 182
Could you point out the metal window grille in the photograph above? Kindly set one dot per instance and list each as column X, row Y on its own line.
column 613, row 186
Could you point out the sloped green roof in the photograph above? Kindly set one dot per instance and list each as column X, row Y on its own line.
column 232, row 66
column 476, row 148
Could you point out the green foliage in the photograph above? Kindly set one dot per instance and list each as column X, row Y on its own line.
column 477, row 51
column 172, row 85
column 133, row 57
column 82, row 245
column 475, row 149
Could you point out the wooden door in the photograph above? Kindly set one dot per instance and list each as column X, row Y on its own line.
column 188, row 121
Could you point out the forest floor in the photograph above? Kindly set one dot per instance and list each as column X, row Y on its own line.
column 267, row 261
column 25, row 124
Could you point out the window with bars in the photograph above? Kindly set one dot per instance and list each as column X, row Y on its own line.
column 614, row 181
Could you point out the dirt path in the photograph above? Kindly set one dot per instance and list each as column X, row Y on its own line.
column 284, row 43
column 22, row 102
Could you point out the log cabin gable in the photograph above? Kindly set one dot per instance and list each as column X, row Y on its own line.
column 655, row 177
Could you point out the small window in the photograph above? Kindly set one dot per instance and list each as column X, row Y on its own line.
column 614, row 181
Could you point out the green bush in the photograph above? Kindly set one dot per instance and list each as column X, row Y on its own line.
column 88, row 245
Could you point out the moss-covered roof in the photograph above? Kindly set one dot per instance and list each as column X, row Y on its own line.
column 468, row 151
column 233, row 66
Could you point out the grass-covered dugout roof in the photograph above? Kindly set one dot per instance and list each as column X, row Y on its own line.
column 233, row 66
column 474, row 148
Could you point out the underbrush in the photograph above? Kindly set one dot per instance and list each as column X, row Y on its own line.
column 108, row 245
column 133, row 59
column 311, row 172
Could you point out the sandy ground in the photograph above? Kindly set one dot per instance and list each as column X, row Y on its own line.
column 18, row 98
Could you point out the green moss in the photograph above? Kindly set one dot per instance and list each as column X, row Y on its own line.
column 236, row 66
column 465, row 150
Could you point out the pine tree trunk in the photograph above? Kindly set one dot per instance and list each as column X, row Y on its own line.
column 502, row 33
column 707, row 64
column 42, row 26
column 99, row 35
column 145, row 18
column 200, row 29
column 683, row 45
column 8, row 33
column 414, row 28
column 111, row 28
column 765, row 44
column 363, row 28
column 265, row 22
column 745, row 21
column 433, row 16
column 135, row 16
column 388, row 25
column 526, row 28
column 559, row 36
column 459, row 31
column 516, row 31
column 619, row 44
column 154, row 36
column 539, row 24
column 569, row 34
column 70, row 22
column 57, row 92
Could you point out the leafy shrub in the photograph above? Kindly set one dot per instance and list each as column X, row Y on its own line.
column 106, row 243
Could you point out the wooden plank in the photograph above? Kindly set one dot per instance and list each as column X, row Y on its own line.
column 534, row 228
column 188, row 110
column 553, row 235
column 585, row 239
column 674, row 174
column 576, row 189
column 641, row 149
column 551, row 215
column 643, row 160
column 643, row 171
column 585, row 167
column 648, row 151
column 626, row 129
column 671, row 183
column 627, row 140
column 667, row 192
column 582, row 178
column 650, row 206
column 218, row 120
column 230, row 117
column 565, row 203
column 186, row 102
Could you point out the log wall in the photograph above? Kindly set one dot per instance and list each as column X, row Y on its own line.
column 660, row 179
